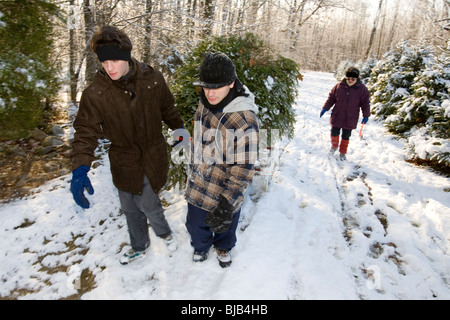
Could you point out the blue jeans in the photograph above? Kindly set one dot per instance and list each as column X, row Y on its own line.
column 202, row 238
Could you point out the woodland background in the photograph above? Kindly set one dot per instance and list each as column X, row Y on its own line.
column 317, row 34
column 47, row 41
column 401, row 46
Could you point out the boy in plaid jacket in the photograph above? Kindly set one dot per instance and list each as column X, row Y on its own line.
column 224, row 151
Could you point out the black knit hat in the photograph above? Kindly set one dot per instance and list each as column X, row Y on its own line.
column 216, row 71
column 352, row 72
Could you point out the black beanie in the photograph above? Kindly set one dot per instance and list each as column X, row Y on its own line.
column 216, row 71
column 113, row 52
column 352, row 73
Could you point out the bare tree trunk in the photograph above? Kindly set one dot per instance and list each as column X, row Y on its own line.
column 208, row 16
column 252, row 17
column 147, row 56
column 374, row 29
column 381, row 35
column 226, row 9
column 72, row 62
column 390, row 38
column 89, row 29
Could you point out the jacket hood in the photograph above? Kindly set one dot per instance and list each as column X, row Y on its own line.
column 242, row 103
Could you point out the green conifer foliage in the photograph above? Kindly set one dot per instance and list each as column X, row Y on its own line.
column 392, row 78
column 410, row 93
column 28, row 78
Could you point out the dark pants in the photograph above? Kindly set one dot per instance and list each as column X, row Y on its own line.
column 142, row 208
column 202, row 239
column 346, row 133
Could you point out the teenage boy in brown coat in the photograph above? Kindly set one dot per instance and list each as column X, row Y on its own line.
column 126, row 103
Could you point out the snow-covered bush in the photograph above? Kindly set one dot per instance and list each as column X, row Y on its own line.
column 425, row 145
column 26, row 84
column 392, row 77
column 27, row 76
column 410, row 92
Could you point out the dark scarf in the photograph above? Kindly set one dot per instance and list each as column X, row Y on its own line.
column 237, row 91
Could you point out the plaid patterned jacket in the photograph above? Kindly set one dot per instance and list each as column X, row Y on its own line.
column 224, row 151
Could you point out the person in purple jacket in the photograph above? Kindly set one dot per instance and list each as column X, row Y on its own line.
column 348, row 97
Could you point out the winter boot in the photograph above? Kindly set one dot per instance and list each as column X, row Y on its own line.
column 199, row 256
column 224, row 257
column 343, row 148
column 334, row 144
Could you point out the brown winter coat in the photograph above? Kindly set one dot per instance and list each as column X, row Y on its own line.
column 129, row 114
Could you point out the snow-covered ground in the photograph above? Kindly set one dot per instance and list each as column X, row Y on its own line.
column 374, row 227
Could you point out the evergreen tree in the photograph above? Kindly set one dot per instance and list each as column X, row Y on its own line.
column 27, row 75
column 428, row 108
column 392, row 78
column 410, row 93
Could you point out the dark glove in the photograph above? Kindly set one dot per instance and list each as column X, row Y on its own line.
column 365, row 120
column 80, row 181
column 221, row 218
column 323, row 112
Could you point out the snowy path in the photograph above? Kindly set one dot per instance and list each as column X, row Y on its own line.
column 374, row 227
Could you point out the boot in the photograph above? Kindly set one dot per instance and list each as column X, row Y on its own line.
column 224, row 257
column 334, row 144
column 199, row 256
column 343, row 148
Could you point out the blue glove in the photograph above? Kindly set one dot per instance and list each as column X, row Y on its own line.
column 365, row 120
column 323, row 112
column 80, row 181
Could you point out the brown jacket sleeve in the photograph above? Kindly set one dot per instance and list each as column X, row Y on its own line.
column 88, row 130
column 170, row 114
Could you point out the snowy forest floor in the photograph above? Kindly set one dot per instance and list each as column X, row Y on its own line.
column 373, row 227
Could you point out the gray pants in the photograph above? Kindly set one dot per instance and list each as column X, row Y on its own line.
column 139, row 208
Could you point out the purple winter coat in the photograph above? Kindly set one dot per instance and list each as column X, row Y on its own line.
column 347, row 101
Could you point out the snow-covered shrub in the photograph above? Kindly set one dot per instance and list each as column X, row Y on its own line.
column 410, row 92
column 392, row 77
column 365, row 68
column 425, row 145
column 27, row 76
column 25, row 86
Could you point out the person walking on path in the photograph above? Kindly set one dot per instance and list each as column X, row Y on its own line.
column 346, row 98
column 126, row 103
column 224, row 151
